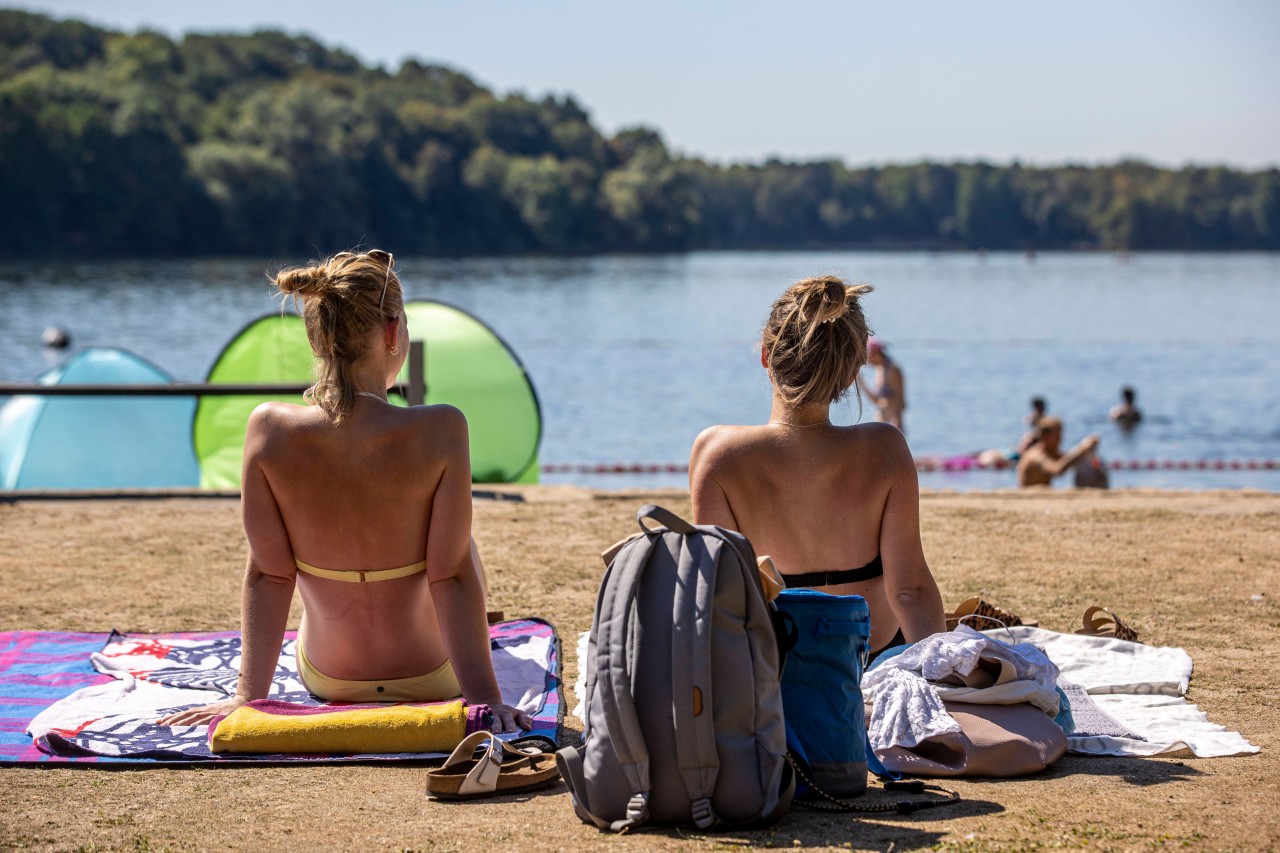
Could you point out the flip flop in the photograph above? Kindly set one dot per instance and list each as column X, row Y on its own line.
column 982, row 615
column 1103, row 622
column 502, row 768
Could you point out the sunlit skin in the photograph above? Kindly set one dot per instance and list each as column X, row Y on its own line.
column 815, row 497
column 386, row 487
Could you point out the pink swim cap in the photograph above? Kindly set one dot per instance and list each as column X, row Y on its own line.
column 874, row 344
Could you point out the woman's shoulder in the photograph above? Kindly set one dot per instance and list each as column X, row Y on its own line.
column 438, row 414
column 436, row 429
column 885, row 441
column 879, row 433
column 275, row 416
column 716, row 441
column 731, row 437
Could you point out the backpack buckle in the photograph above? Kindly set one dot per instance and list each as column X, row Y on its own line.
column 638, row 807
column 703, row 816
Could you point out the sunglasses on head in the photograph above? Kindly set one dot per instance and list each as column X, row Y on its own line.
column 378, row 256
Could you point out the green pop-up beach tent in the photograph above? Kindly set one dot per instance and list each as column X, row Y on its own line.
column 98, row 442
column 466, row 365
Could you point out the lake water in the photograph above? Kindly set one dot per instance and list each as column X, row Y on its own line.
column 633, row 355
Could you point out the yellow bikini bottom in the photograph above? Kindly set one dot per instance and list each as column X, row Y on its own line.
column 437, row 685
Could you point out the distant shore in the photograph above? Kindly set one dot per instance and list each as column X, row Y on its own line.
column 228, row 144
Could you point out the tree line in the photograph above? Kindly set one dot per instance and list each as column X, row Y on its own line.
column 136, row 144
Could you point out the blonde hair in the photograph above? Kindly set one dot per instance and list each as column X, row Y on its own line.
column 342, row 299
column 816, row 339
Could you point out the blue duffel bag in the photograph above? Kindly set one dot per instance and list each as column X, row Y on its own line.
column 821, row 687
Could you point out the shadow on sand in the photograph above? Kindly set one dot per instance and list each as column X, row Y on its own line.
column 803, row 827
column 1134, row 771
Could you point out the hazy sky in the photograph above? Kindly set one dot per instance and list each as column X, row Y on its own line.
column 1170, row 81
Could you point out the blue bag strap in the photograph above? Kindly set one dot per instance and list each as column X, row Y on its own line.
column 876, row 766
column 694, row 727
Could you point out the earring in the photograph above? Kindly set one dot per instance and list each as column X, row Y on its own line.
column 395, row 350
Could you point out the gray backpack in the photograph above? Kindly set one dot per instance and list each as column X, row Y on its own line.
column 683, row 705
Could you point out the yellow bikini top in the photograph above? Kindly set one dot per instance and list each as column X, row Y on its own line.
column 360, row 575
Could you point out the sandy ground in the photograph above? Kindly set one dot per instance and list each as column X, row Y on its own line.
column 1196, row 570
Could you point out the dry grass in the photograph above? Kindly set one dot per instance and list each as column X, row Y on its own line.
column 1182, row 567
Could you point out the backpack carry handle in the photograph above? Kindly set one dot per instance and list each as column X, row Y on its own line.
column 665, row 517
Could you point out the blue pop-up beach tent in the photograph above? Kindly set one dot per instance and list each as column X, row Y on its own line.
column 98, row 442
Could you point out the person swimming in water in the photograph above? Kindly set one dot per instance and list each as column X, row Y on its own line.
column 822, row 499
column 365, row 508
column 888, row 391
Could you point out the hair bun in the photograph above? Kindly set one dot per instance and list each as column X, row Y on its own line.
column 304, row 281
column 815, row 339
column 823, row 299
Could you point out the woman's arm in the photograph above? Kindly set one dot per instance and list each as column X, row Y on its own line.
column 909, row 585
column 456, row 588
column 264, row 610
column 1064, row 462
column 710, row 503
column 267, row 591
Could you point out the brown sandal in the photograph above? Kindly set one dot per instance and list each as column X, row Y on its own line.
column 1103, row 622
column 500, row 769
column 982, row 615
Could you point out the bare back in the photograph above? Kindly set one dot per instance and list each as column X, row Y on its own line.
column 822, row 498
column 360, row 495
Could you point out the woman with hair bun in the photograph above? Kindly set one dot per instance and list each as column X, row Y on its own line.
column 365, row 507
column 836, row 507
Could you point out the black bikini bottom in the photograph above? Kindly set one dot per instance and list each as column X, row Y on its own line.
column 898, row 640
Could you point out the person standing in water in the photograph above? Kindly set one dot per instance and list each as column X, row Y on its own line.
column 888, row 390
column 1038, row 408
column 1046, row 460
column 1125, row 413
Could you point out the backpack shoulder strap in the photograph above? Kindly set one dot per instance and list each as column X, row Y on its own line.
column 695, row 731
column 613, row 673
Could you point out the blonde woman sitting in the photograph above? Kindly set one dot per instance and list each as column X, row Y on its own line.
column 837, row 508
column 365, row 507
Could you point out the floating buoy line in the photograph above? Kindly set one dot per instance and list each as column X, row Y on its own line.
column 930, row 464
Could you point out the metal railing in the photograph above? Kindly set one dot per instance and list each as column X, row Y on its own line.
column 414, row 391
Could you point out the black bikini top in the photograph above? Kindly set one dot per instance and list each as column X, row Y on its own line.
column 871, row 570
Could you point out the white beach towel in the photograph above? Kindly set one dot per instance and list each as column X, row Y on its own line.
column 580, row 683
column 1143, row 688
column 1106, row 665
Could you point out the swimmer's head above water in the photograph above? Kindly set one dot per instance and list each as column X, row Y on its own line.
column 815, row 340
column 348, row 303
